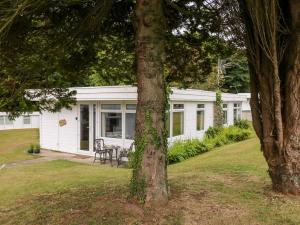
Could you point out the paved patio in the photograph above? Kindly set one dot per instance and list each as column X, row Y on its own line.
column 47, row 155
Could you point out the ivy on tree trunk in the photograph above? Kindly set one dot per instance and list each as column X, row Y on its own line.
column 149, row 180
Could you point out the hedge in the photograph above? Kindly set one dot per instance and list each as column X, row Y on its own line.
column 214, row 137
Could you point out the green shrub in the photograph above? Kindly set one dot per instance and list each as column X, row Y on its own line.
column 182, row 150
column 30, row 149
column 243, row 124
column 213, row 131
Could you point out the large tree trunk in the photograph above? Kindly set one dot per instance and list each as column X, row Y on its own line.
column 273, row 43
column 149, row 181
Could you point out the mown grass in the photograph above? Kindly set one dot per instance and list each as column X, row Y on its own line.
column 14, row 143
column 228, row 185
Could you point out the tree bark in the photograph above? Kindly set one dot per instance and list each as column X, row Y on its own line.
column 149, row 181
column 273, row 43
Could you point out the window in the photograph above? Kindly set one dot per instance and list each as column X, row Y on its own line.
column 178, row 106
column 178, row 119
column 178, row 123
column 129, row 125
column 26, row 120
column 111, row 106
column 200, row 117
column 237, row 111
column 131, row 106
column 111, row 124
column 8, row 121
column 225, row 120
column 1, row 120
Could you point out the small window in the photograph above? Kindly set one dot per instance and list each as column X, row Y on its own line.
column 8, row 121
column 178, row 123
column 200, row 120
column 26, row 120
column 178, row 106
column 224, row 116
column 225, row 107
column 131, row 106
column 111, row 106
column 200, row 106
column 1, row 120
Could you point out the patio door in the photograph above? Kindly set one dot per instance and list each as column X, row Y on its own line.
column 87, row 129
column 84, row 127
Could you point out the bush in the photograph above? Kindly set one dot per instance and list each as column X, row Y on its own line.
column 182, row 150
column 243, row 124
column 30, row 149
column 37, row 149
column 213, row 131
column 214, row 137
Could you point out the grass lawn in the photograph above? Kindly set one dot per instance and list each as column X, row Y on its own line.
column 228, row 185
column 14, row 143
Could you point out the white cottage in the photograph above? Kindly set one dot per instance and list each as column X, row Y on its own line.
column 108, row 112
column 25, row 121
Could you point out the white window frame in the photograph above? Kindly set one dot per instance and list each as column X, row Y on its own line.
column 121, row 110
column 225, row 109
column 172, row 110
column 239, row 111
column 127, row 111
column 200, row 110
column 27, row 117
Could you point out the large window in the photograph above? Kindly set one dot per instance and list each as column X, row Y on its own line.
column 178, row 119
column 225, row 112
column 112, row 124
column 26, row 120
column 237, row 111
column 200, row 117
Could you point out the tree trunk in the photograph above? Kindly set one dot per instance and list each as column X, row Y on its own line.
column 149, row 181
column 273, row 43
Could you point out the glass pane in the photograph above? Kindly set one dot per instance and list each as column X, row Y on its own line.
column 224, row 106
column 130, row 125
column 178, row 123
column 26, row 119
column 236, row 114
column 178, row 106
column 111, row 106
column 131, row 106
column 200, row 120
column 1, row 120
column 200, row 106
column 84, row 127
column 111, row 125
column 224, row 117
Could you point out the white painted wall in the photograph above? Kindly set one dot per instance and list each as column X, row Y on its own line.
column 18, row 122
column 67, row 138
